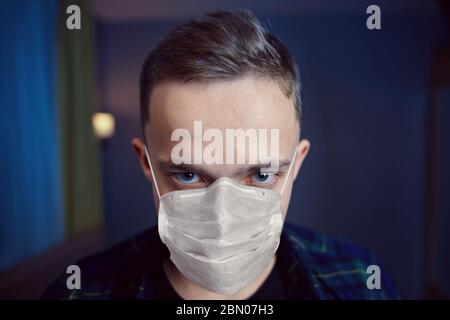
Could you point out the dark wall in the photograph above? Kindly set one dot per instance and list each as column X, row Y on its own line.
column 121, row 49
column 442, row 267
column 364, row 99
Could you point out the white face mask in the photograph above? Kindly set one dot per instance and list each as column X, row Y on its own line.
column 221, row 237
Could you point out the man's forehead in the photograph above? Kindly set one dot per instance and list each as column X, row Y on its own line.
column 254, row 111
column 243, row 103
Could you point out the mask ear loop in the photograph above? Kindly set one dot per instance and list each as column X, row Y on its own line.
column 289, row 170
column 152, row 172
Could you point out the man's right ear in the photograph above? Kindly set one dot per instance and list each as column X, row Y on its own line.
column 139, row 148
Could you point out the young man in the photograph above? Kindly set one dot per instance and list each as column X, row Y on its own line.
column 221, row 231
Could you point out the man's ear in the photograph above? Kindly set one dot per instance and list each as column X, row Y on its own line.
column 302, row 152
column 139, row 148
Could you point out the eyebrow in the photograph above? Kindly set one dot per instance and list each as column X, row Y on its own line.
column 169, row 166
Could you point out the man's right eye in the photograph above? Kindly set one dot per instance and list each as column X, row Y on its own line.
column 187, row 177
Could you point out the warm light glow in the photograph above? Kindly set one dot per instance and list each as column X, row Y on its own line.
column 104, row 124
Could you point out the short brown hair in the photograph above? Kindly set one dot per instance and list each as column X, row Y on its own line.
column 222, row 45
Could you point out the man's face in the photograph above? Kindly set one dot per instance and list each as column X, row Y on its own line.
column 246, row 103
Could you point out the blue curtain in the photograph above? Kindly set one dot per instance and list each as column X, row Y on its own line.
column 31, row 215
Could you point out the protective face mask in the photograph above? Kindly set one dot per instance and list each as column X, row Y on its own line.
column 221, row 237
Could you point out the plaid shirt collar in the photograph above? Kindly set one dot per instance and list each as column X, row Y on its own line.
column 314, row 266
column 322, row 267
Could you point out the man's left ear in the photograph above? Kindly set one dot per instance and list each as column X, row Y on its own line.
column 302, row 152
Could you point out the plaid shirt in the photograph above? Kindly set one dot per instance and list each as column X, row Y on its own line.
column 314, row 266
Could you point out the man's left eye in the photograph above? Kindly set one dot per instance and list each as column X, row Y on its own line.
column 263, row 178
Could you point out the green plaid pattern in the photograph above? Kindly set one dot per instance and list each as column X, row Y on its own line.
column 316, row 267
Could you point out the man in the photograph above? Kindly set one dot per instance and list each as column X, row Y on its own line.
column 221, row 231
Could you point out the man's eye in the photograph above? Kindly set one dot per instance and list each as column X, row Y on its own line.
column 187, row 177
column 262, row 178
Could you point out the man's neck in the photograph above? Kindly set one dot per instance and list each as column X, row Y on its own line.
column 189, row 290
